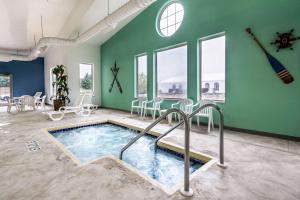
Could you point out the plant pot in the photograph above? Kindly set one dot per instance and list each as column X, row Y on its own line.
column 57, row 104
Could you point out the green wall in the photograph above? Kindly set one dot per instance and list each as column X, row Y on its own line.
column 255, row 98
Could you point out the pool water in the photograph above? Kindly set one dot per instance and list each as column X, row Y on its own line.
column 91, row 142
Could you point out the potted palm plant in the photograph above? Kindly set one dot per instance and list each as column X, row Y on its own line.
column 60, row 86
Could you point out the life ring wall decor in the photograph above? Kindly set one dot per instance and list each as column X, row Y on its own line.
column 115, row 72
column 285, row 40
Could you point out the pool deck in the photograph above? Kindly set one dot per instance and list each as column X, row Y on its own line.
column 258, row 167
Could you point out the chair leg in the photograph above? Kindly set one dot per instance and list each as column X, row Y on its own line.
column 153, row 114
column 142, row 110
column 212, row 121
column 197, row 120
column 145, row 112
column 209, row 124
column 131, row 110
column 169, row 117
column 8, row 108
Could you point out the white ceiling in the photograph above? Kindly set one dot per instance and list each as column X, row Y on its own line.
column 20, row 20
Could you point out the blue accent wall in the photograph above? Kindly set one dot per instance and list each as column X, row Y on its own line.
column 28, row 76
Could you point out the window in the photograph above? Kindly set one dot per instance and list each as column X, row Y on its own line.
column 86, row 78
column 213, row 68
column 141, row 78
column 170, row 19
column 5, row 87
column 171, row 66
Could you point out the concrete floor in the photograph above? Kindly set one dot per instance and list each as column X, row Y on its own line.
column 258, row 167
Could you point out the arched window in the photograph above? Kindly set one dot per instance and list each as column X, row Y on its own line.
column 206, row 85
column 170, row 19
column 52, row 79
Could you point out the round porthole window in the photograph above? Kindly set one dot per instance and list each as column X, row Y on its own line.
column 170, row 18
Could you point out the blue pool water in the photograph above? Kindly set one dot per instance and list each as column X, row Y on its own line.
column 91, row 142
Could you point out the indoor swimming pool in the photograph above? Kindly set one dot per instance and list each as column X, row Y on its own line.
column 88, row 143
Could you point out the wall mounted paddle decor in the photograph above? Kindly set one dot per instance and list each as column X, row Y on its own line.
column 285, row 40
column 115, row 72
column 282, row 73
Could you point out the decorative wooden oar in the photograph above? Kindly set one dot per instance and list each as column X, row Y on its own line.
column 280, row 70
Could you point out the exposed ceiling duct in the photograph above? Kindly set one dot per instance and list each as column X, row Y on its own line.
column 103, row 26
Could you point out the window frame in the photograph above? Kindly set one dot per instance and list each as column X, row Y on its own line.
column 199, row 63
column 93, row 77
column 155, row 83
column 52, row 91
column 160, row 13
column 11, row 83
column 136, row 71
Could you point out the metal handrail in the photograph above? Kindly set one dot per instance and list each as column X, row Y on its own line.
column 186, row 191
column 221, row 129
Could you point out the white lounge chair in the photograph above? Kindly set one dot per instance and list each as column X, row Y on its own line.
column 87, row 103
column 153, row 106
column 37, row 95
column 206, row 113
column 138, row 105
column 78, row 108
column 77, row 104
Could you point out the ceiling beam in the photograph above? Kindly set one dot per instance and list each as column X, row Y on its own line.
column 75, row 16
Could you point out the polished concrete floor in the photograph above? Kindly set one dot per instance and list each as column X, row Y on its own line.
column 258, row 167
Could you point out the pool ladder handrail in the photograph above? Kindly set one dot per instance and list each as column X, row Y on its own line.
column 221, row 130
column 186, row 191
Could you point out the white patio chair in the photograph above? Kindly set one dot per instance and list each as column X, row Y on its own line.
column 138, row 105
column 186, row 105
column 206, row 113
column 26, row 101
column 40, row 102
column 10, row 104
column 153, row 106
column 37, row 95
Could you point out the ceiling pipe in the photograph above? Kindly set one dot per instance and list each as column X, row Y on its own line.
column 15, row 52
column 107, row 24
